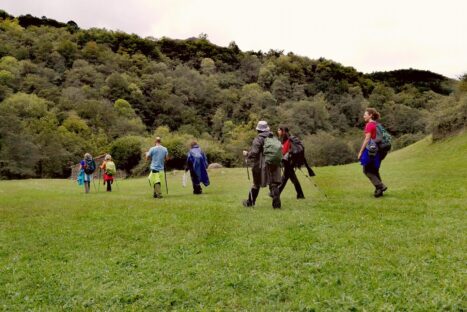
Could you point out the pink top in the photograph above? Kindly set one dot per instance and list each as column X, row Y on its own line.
column 371, row 128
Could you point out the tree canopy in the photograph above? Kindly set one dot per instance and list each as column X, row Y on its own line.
column 65, row 91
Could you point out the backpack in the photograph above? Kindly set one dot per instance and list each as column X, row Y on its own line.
column 272, row 151
column 90, row 166
column 110, row 168
column 297, row 155
column 383, row 138
column 296, row 152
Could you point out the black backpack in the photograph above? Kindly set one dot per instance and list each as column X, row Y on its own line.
column 297, row 155
column 296, row 152
column 90, row 166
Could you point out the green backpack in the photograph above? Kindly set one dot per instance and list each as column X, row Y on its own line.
column 383, row 138
column 110, row 168
column 272, row 151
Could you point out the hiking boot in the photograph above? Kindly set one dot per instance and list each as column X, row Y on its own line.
column 250, row 202
column 384, row 188
column 379, row 192
column 247, row 203
column 300, row 196
column 197, row 189
column 157, row 195
column 276, row 203
column 157, row 191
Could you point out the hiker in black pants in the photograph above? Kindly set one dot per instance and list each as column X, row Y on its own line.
column 289, row 172
column 264, row 173
column 369, row 156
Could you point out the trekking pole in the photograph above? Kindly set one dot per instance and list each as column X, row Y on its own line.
column 94, row 183
column 116, row 183
column 314, row 183
column 247, row 171
column 165, row 178
column 99, row 183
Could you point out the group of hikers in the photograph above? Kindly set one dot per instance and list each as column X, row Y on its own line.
column 196, row 163
column 87, row 168
column 273, row 161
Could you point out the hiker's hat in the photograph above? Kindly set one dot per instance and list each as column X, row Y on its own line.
column 262, row 126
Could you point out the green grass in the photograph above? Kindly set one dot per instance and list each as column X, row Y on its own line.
column 63, row 250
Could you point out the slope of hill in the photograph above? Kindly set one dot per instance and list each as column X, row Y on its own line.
column 61, row 249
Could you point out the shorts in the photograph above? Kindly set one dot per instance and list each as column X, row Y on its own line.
column 87, row 177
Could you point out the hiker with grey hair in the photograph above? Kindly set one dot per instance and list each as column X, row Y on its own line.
column 109, row 169
column 87, row 168
column 265, row 157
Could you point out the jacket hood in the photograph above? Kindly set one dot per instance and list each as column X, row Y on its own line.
column 265, row 134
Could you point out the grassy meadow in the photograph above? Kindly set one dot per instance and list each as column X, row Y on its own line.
column 61, row 249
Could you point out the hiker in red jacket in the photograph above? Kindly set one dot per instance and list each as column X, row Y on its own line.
column 369, row 156
column 289, row 172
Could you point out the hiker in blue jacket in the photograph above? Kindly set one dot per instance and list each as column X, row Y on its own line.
column 197, row 163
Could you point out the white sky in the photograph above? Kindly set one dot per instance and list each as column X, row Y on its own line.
column 370, row 35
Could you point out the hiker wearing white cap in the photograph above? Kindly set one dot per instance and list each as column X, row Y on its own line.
column 265, row 158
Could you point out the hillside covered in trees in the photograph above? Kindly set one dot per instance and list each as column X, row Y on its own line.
column 65, row 91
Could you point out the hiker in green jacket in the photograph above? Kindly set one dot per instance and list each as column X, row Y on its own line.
column 265, row 171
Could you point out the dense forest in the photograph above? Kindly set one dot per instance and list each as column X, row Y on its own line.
column 65, row 91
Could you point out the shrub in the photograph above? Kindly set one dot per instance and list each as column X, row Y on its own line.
column 126, row 152
column 324, row 149
column 451, row 119
column 406, row 140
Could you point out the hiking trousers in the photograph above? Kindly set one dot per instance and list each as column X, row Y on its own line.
column 275, row 194
column 373, row 175
column 196, row 183
column 289, row 173
column 155, row 178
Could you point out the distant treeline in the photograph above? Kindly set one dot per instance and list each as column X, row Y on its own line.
column 65, row 91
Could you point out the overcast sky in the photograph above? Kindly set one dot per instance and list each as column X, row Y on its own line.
column 370, row 35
